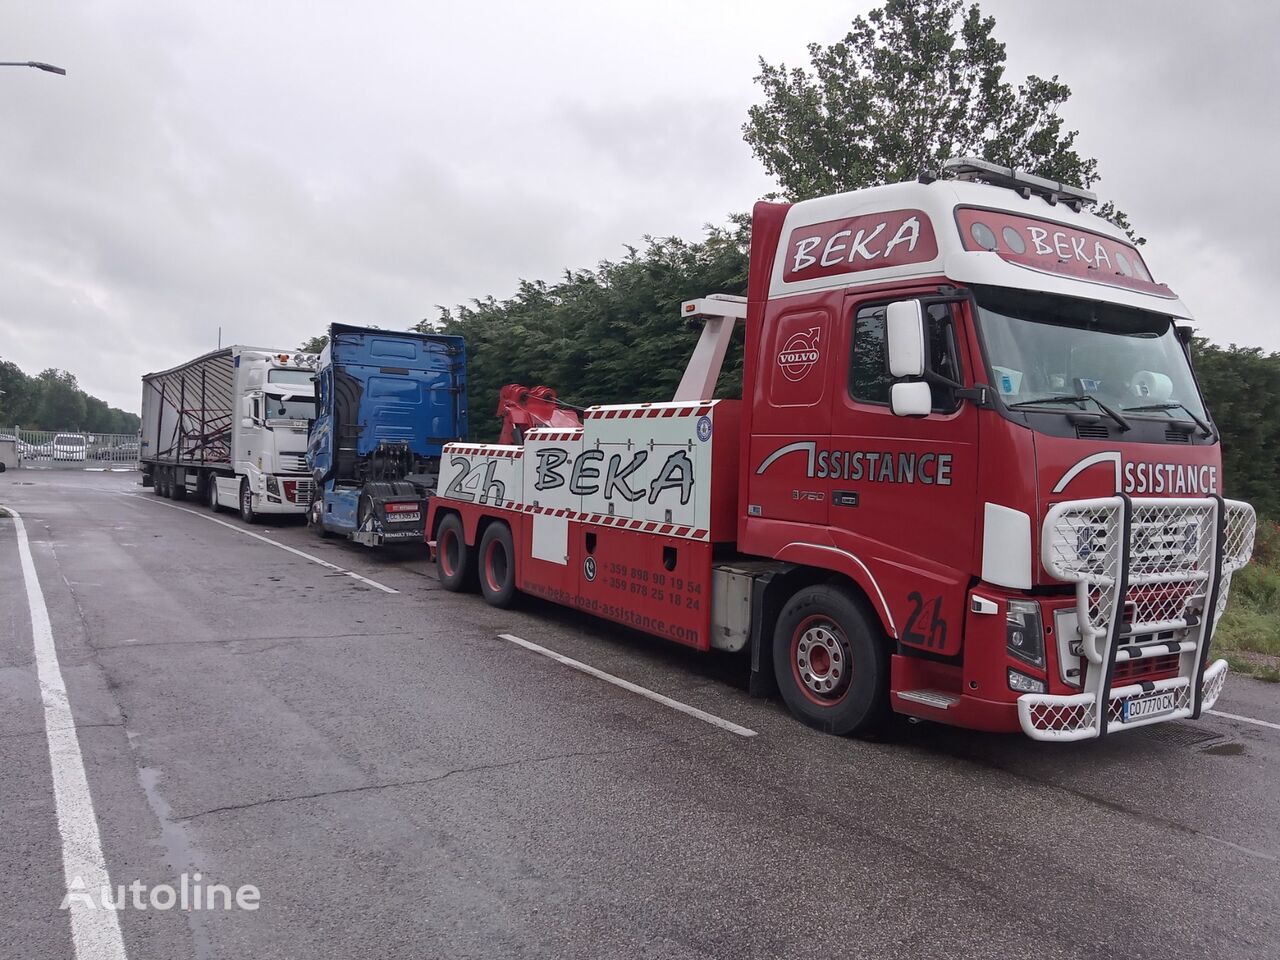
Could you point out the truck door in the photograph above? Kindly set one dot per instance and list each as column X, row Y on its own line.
column 792, row 408
column 903, row 489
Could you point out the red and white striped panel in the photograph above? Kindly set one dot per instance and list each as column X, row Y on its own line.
column 647, row 411
column 625, row 523
column 549, row 435
column 484, row 450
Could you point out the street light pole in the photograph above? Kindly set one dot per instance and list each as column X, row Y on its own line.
column 46, row 67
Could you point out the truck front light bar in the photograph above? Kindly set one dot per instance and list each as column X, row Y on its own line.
column 1144, row 568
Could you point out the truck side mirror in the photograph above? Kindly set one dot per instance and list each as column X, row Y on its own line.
column 904, row 330
column 911, row 399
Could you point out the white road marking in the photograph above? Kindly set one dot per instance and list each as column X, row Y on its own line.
column 95, row 932
column 1236, row 716
column 633, row 687
column 275, row 543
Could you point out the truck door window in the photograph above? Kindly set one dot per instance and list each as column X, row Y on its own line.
column 869, row 378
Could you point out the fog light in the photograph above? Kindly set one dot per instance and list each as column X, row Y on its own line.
column 1024, row 684
column 1024, row 634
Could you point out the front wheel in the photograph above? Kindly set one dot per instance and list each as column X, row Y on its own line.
column 247, row 513
column 831, row 663
column 315, row 519
column 497, row 562
column 455, row 563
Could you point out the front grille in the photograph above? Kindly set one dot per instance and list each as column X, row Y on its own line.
column 1173, row 435
column 1149, row 668
column 293, row 463
column 304, row 492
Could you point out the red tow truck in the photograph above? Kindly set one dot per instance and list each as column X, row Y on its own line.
column 971, row 479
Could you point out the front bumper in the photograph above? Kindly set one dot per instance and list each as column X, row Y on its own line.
column 1074, row 717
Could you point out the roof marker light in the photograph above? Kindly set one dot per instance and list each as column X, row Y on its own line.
column 972, row 168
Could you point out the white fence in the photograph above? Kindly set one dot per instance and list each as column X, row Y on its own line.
column 73, row 449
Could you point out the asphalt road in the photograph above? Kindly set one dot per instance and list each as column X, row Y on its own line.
column 396, row 780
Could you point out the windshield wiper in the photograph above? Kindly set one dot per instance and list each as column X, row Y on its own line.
column 1076, row 398
column 1174, row 405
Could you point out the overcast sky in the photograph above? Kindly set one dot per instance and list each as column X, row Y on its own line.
column 271, row 167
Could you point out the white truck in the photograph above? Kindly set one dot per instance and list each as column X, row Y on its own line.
column 229, row 428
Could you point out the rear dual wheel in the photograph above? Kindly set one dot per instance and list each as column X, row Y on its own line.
column 497, row 566
column 455, row 560
column 831, row 661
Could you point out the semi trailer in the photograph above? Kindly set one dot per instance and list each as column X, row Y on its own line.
column 229, row 428
column 971, row 477
column 388, row 401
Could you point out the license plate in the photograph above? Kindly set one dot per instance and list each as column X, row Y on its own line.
column 1152, row 705
column 415, row 517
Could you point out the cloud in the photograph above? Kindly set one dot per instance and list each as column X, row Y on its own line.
column 270, row 168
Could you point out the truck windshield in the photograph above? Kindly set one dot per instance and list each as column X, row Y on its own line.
column 1046, row 352
column 280, row 409
column 298, row 378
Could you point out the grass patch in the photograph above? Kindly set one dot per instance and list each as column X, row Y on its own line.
column 1249, row 634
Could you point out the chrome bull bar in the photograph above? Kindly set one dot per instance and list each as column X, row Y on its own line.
column 1142, row 567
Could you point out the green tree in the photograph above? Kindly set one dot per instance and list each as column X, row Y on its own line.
column 313, row 344
column 608, row 335
column 914, row 83
column 1242, row 388
column 18, row 397
column 62, row 402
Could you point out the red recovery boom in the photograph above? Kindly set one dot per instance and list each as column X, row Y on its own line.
column 523, row 409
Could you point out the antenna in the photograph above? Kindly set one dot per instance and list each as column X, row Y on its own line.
column 219, row 338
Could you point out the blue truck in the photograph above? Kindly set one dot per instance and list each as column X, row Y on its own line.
column 386, row 404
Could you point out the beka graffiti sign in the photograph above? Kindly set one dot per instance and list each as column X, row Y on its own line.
column 870, row 242
column 1056, row 248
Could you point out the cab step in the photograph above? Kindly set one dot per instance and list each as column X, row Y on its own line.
column 938, row 699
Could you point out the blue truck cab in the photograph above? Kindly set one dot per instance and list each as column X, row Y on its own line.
column 386, row 404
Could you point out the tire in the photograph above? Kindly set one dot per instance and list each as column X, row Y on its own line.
column 315, row 514
column 177, row 488
column 455, row 561
column 162, row 483
column 246, row 503
column 496, row 560
column 831, row 661
column 211, row 497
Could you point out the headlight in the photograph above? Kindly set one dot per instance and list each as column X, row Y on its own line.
column 1024, row 634
column 273, row 486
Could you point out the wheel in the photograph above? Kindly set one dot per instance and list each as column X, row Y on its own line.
column 246, row 503
column 177, row 488
column 455, row 564
column 831, row 661
column 211, row 496
column 162, row 483
column 315, row 519
column 497, row 562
